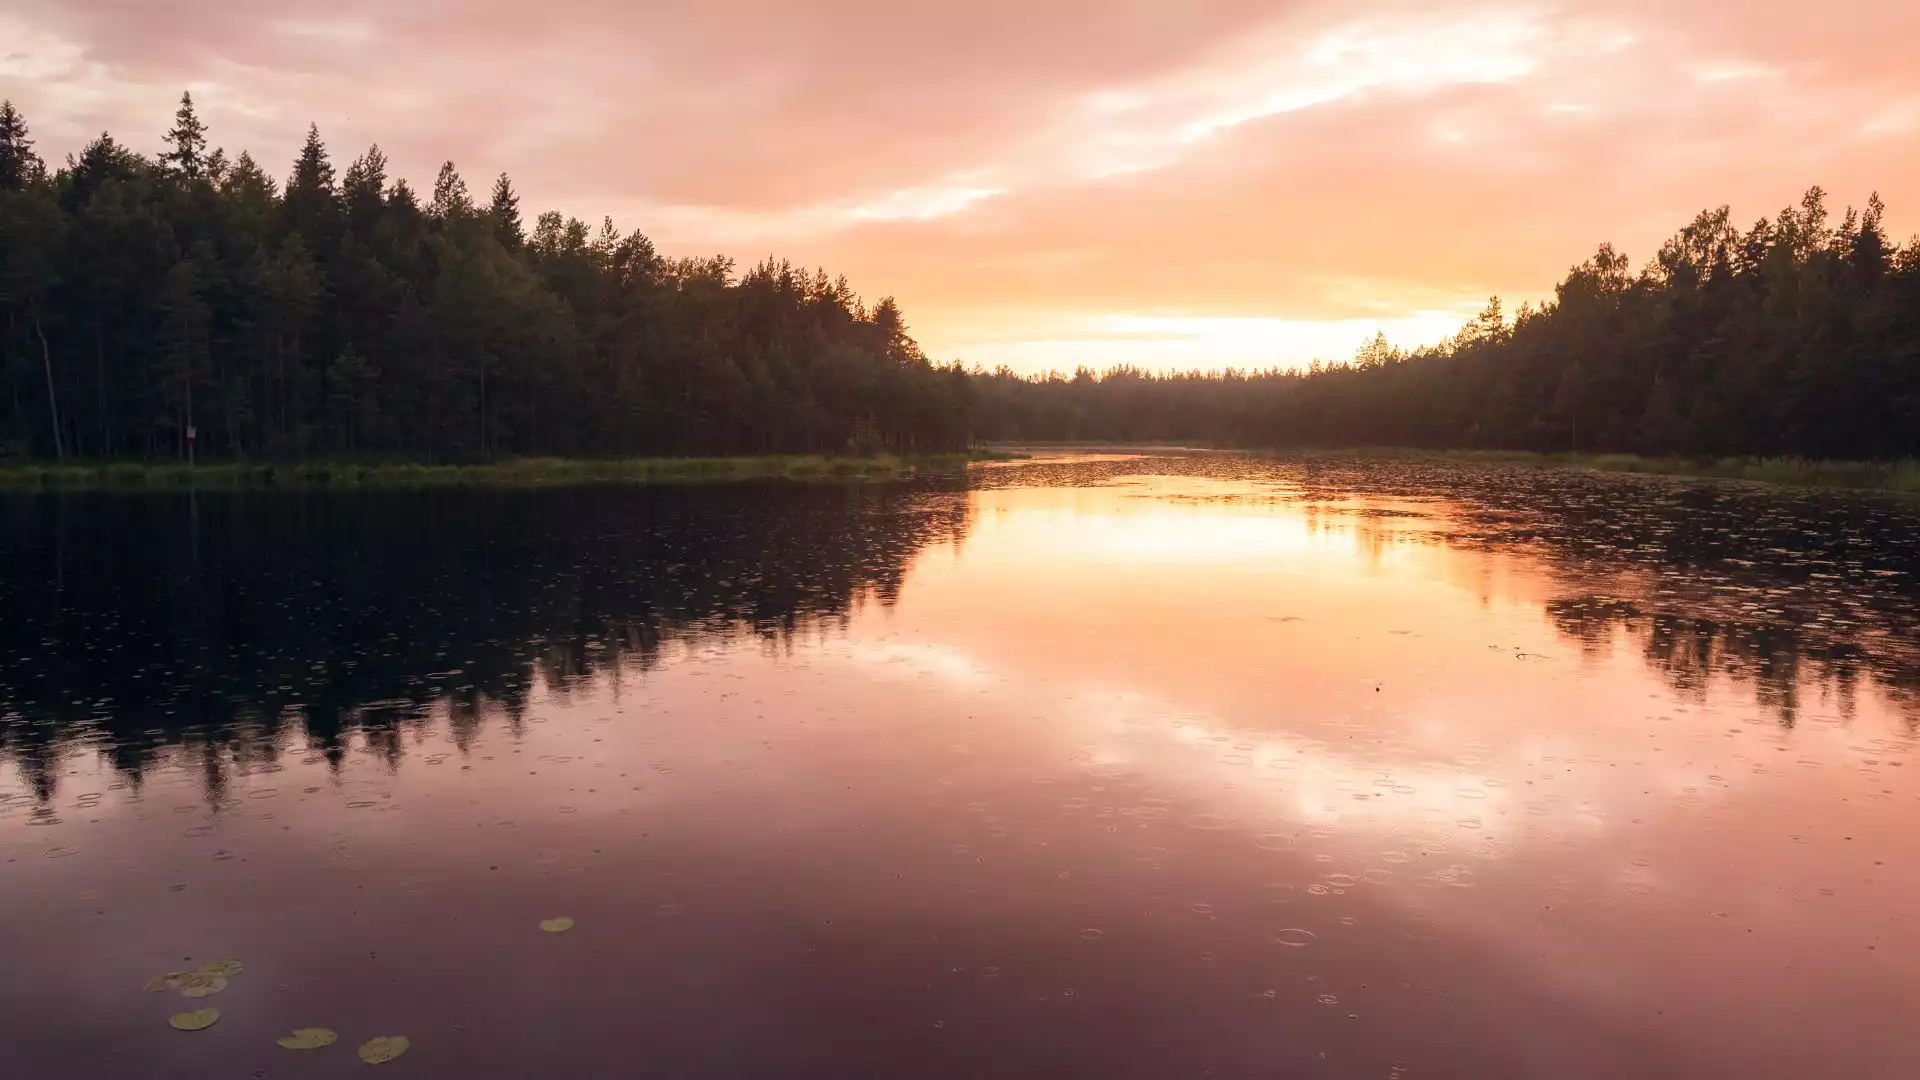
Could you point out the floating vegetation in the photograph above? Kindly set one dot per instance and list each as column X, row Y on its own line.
column 226, row 969
column 195, row 1020
column 315, row 1039
column 557, row 926
column 199, row 984
column 384, row 1049
column 160, row 983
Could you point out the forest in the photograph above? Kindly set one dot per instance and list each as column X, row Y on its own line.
column 1799, row 337
column 189, row 306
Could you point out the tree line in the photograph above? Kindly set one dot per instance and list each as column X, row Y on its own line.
column 148, row 300
column 1799, row 336
column 189, row 305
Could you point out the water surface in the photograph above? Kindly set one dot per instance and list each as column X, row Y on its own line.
column 1103, row 765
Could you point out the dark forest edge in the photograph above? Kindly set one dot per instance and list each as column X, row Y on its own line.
column 519, row 472
column 188, row 305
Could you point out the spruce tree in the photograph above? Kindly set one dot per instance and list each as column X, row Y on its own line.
column 188, row 139
column 19, row 165
column 504, row 213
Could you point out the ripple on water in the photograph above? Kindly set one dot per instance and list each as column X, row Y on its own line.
column 1092, row 934
column 1418, row 928
column 1295, row 938
column 1280, row 893
column 1342, row 881
column 1274, row 842
column 1208, row 822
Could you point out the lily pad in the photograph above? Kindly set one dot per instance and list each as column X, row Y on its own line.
column 383, row 1049
column 169, row 981
column 226, row 969
column 195, row 1020
column 312, row 1039
column 199, row 984
column 557, row 926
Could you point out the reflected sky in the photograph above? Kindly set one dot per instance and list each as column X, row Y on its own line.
column 1172, row 765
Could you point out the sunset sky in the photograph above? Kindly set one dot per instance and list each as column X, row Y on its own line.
column 1047, row 183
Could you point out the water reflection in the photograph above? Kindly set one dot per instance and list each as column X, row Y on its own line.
column 1180, row 764
column 226, row 622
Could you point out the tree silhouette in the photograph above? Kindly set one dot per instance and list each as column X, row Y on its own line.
column 141, row 297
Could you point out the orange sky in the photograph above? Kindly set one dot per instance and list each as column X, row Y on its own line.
column 1043, row 183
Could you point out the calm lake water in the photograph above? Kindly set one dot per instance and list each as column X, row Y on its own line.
column 1109, row 766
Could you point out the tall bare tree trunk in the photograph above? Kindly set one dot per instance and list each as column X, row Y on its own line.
column 53, row 405
column 19, row 413
column 100, row 381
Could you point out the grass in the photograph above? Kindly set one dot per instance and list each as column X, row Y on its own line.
column 519, row 472
column 1902, row 476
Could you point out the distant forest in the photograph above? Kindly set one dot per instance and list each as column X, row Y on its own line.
column 1798, row 337
column 342, row 314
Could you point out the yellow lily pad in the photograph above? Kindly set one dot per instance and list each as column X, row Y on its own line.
column 310, row 1039
column 226, row 969
column 169, row 981
column 195, row 1020
column 199, row 984
column 557, row 926
column 383, row 1049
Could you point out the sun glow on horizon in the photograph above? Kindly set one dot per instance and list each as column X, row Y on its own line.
column 1160, row 342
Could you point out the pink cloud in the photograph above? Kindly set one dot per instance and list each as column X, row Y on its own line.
column 1018, row 171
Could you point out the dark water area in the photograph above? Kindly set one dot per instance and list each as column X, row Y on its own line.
column 1107, row 765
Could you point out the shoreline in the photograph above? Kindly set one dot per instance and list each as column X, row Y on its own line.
column 1901, row 477
column 519, row 472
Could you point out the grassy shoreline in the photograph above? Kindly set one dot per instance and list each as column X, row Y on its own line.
column 520, row 472
column 1900, row 477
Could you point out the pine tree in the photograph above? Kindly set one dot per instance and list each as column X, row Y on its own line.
column 311, row 204
column 1869, row 251
column 19, row 165
column 504, row 214
column 450, row 199
column 363, row 190
column 188, row 139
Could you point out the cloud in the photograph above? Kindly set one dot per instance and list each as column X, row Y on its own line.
column 1027, row 176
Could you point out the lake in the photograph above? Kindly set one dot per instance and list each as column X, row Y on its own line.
column 1109, row 765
